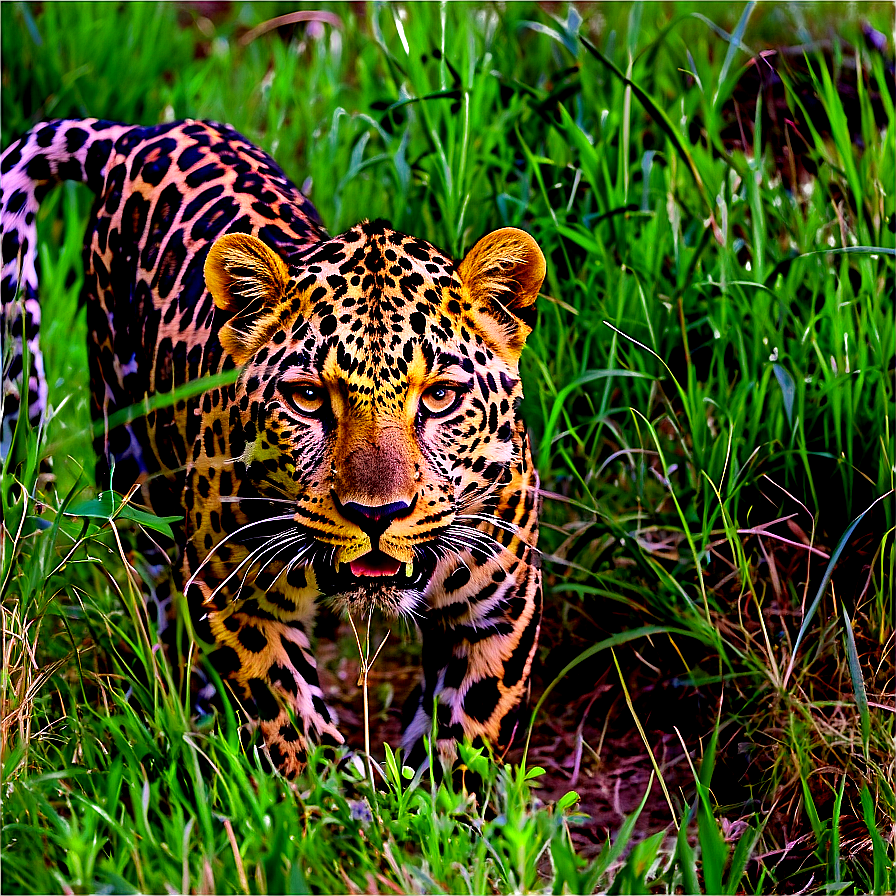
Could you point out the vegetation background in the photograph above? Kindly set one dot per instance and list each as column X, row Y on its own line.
column 710, row 390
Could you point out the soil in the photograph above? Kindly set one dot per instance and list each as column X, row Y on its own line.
column 584, row 737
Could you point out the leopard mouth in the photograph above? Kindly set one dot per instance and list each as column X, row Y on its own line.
column 376, row 580
column 376, row 565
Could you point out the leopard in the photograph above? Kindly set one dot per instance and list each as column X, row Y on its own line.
column 328, row 419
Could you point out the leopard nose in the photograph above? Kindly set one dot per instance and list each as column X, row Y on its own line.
column 374, row 519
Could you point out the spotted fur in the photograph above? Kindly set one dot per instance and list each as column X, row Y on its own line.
column 368, row 449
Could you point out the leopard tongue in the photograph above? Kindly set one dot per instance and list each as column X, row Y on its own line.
column 374, row 565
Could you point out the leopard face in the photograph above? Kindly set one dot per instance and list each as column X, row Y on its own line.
column 376, row 418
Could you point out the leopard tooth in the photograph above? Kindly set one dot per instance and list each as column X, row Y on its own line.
column 409, row 569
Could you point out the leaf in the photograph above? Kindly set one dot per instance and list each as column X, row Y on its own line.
column 813, row 607
column 834, row 847
column 852, row 250
column 166, row 399
column 633, row 876
column 858, row 683
column 109, row 505
column 742, row 852
column 474, row 759
column 818, row 828
column 588, row 156
column 735, row 43
column 713, row 849
column 687, row 862
column 589, row 244
column 883, row 867
column 788, row 390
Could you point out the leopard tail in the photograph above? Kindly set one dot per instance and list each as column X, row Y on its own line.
column 52, row 152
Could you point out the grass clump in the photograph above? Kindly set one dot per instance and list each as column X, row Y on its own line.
column 710, row 392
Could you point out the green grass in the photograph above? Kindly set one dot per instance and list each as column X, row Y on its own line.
column 710, row 393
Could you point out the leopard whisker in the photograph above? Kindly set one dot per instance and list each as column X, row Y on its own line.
column 440, row 552
column 278, row 549
column 432, row 550
column 495, row 521
column 480, row 495
column 223, row 541
column 498, row 523
column 236, row 499
column 250, row 559
column 412, row 611
column 466, row 541
column 471, row 540
column 482, row 540
column 288, row 542
column 287, row 568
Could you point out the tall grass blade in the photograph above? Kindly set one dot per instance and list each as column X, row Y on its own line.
column 659, row 115
column 835, row 556
column 858, row 682
column 713, row 849
column 735, row 44
column 852, row 250
column 788, row 390
column 834, row 870
column 644, row 739
column 606, row 644
column 818, row 827
column 166, row 399
column 883, row 862
column 606, row 859
column 686, row 859
column 557, row 409
column 746, row 845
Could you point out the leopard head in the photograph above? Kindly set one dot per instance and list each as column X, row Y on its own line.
column 375, row 422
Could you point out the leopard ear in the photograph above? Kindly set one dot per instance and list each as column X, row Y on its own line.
column 241, row 269
column 246, row 277
column 503, row 273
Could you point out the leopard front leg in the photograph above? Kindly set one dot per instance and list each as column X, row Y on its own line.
column 479, row 639
column 262, row 649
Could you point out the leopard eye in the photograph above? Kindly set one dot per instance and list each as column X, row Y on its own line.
column 439, row 400
column 306, row 398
